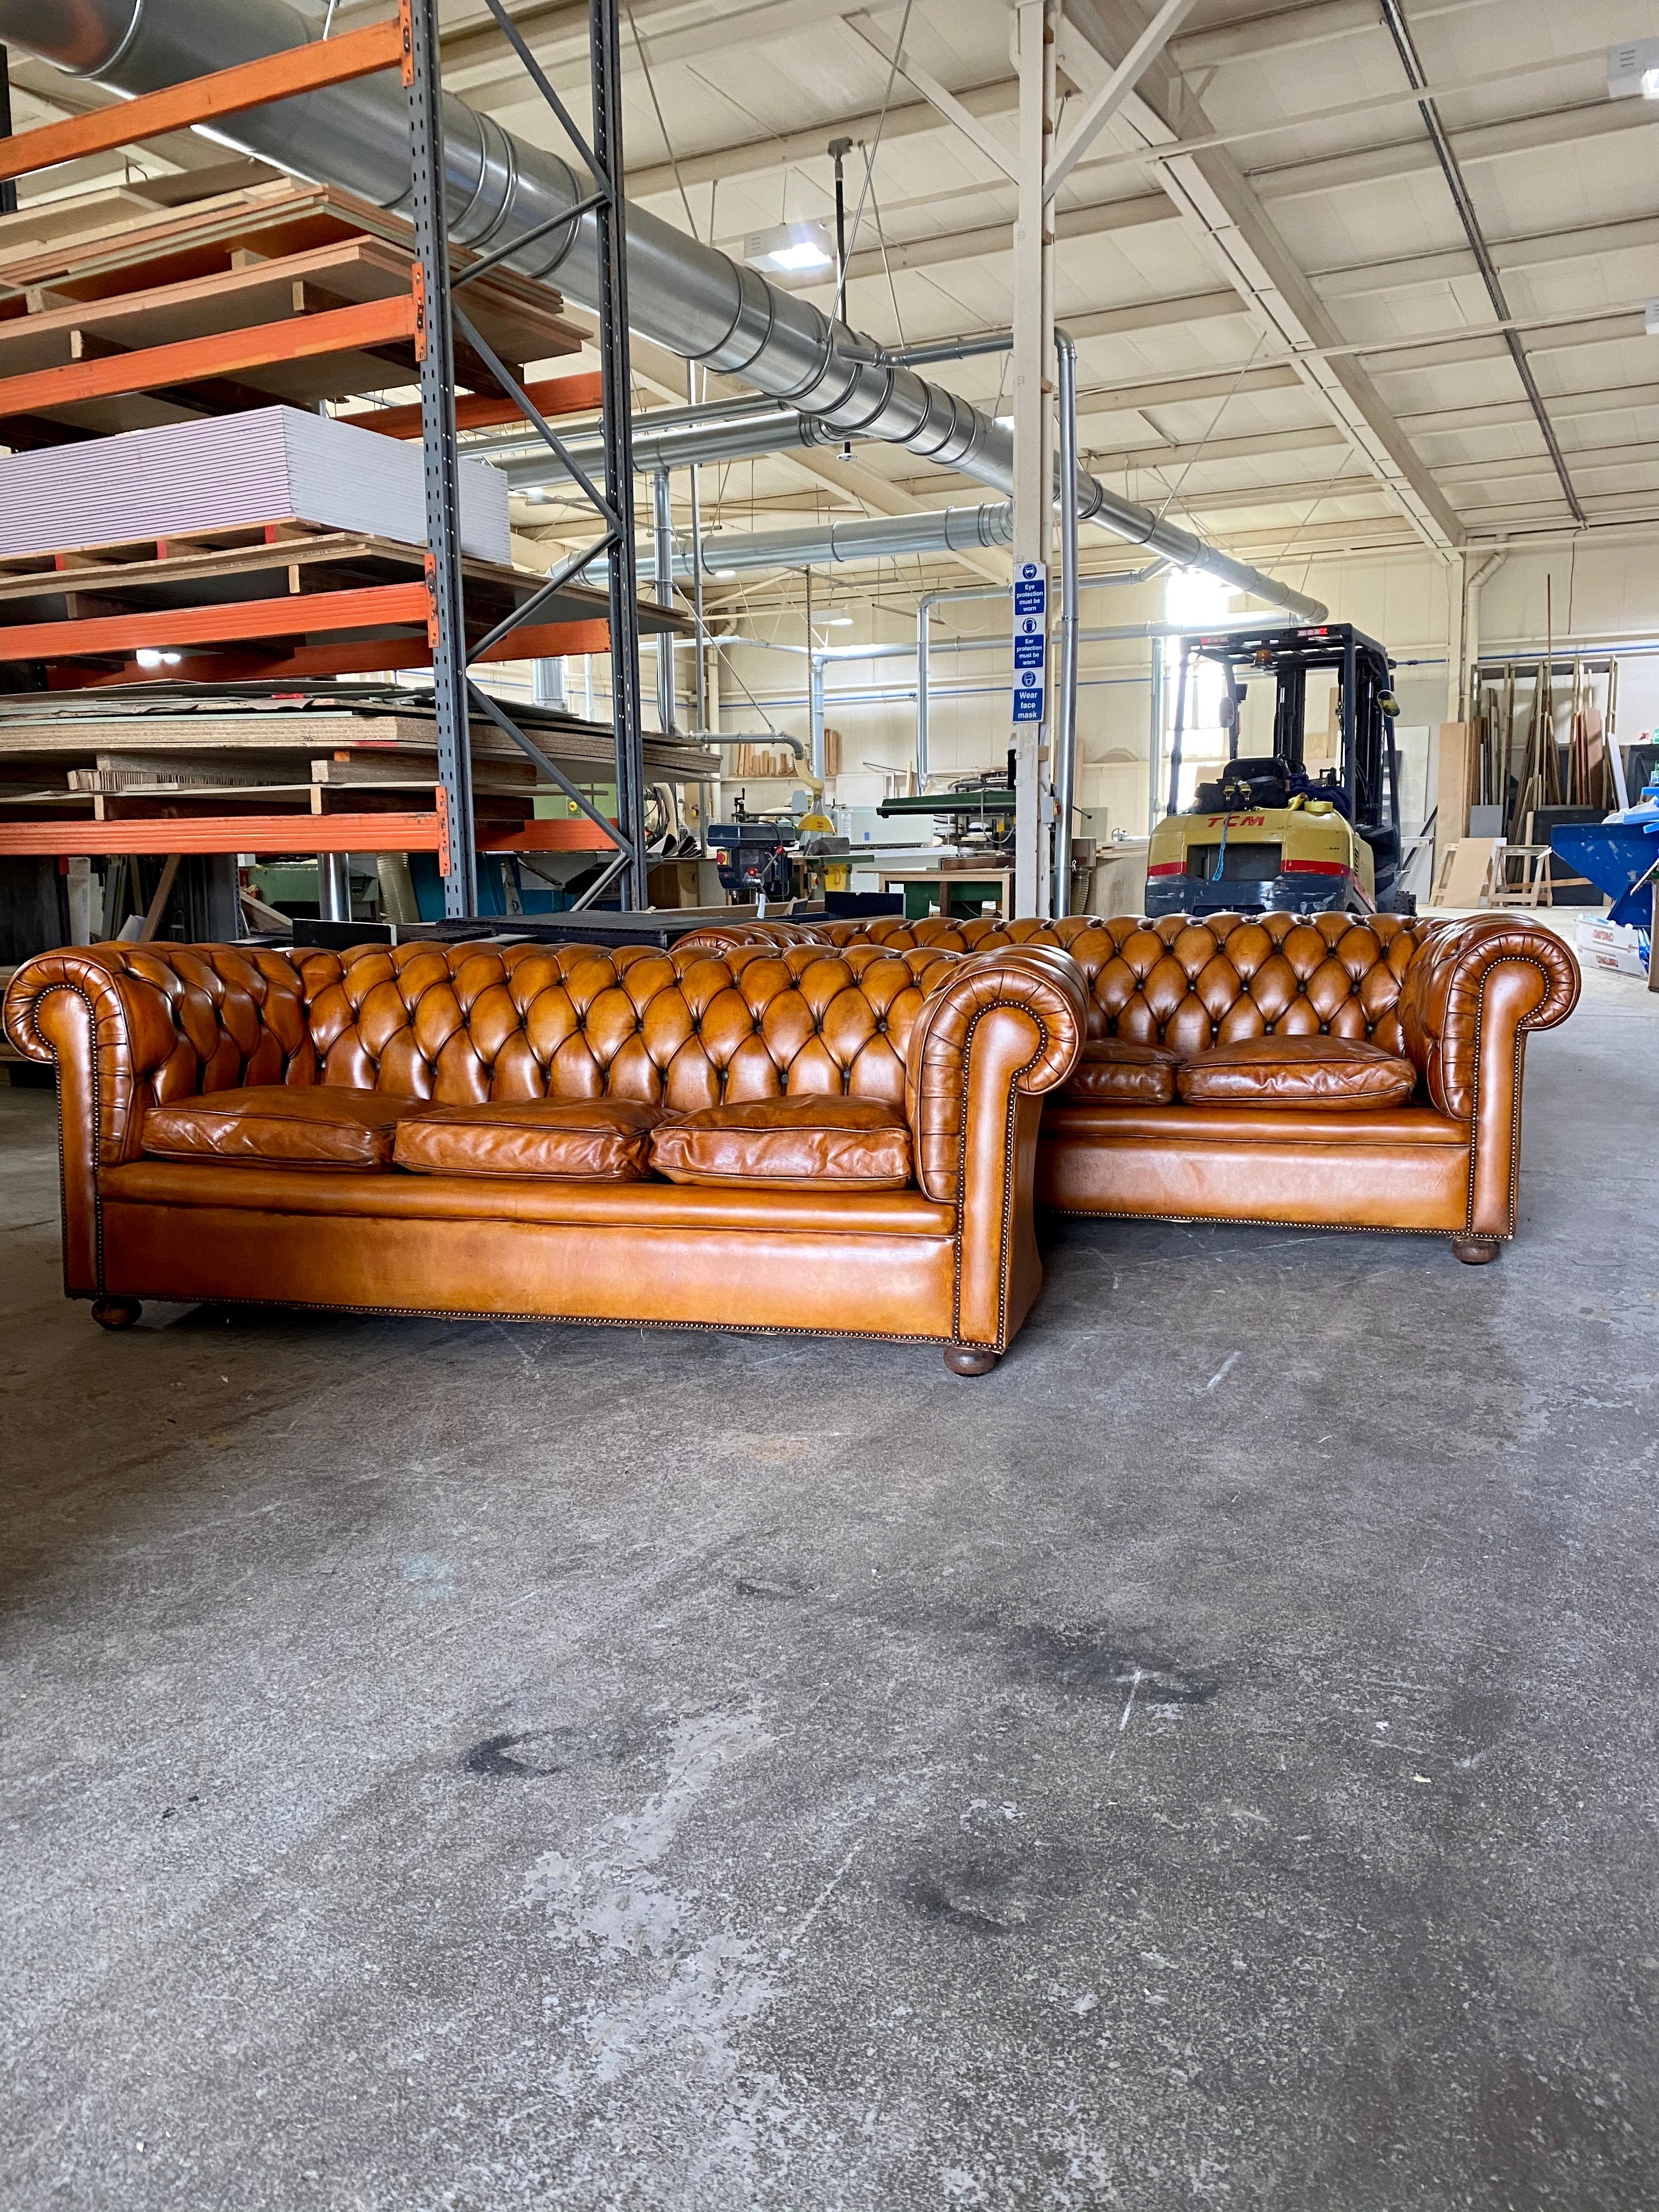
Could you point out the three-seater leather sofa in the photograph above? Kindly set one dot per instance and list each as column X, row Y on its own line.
column 1324, row 1069
column 803, row 1138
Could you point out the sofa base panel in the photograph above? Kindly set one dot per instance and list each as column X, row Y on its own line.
column 1344, row 1186
column 872, row 1285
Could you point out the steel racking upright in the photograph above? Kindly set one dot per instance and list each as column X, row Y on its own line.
column 410, row 42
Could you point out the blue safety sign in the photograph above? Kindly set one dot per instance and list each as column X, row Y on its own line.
column 1028, row 695
column 1030, row 589
column 1031, row 651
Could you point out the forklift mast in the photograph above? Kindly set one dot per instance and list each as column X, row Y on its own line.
column 1368, row 769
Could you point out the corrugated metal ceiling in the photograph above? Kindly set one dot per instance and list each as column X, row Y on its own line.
column 1188, row 395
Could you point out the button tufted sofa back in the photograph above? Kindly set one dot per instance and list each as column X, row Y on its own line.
column 211, row 1017
column 1191, row 984
column 464, row 1023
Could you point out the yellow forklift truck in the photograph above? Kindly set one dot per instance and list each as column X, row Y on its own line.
column 1265, row 834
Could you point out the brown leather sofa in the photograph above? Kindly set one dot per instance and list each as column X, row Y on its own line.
column 797, row 1139
column 1318, row 1071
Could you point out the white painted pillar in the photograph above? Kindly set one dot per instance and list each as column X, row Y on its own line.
column 1032, row 368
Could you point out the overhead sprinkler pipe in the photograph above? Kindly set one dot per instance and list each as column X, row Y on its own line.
column 684, row 295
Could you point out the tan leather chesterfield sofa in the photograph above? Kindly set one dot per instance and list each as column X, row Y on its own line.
column 801, row 1139
column 1317, row 1070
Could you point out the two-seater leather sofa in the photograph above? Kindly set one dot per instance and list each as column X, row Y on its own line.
column 1318, row 1071
column 803, row 1138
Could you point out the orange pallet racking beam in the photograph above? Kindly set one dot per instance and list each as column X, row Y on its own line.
column 335, row 330
column 541, row 641
column 226, row 92
column 484, row 410
column 291, row 615
column 281, row 833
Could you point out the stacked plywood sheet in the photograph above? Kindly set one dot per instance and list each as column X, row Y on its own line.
column 270, row 465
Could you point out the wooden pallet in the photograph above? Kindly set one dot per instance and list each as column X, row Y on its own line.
column 205, row 310
column 96, row 607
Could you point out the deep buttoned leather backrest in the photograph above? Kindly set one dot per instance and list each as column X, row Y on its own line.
column 686, row 1028
column 1191, row 984
column 211, row 1017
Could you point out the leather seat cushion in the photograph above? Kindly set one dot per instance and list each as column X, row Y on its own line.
column 603, row 1139
column 1337, row 1074
column 790, row 1143
column 1114, row 1073
column 319, row 1125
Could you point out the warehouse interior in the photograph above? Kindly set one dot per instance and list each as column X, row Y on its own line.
column 700, row 699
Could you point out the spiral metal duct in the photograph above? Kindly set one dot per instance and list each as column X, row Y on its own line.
column 696, row 301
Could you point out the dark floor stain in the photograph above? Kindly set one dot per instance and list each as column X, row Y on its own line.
column 986, row 1893
column 1091, row 1660
column 539, row 1752
column 953, row 1901
column 770, row 1586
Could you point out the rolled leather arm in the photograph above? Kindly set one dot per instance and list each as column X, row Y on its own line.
column 1014, row 1018
column 1476, row 985
column 112, row 1032
column 149, row 1023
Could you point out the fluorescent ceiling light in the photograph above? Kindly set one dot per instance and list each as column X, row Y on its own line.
column 794, row 248
column 723, row 575
column 1633, row 69
column 151, row 657
column 804, row 253
column 1004, row 422
column 838, row 622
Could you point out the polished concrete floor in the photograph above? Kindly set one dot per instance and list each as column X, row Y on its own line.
column 1210, row 1762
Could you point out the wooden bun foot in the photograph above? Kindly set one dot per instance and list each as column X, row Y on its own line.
column 116, row 1313
column 1475, row 1251
column 969, row 1359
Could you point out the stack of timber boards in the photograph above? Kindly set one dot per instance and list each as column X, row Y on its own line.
column 263, row 728
column 269, row 259
column 178, row 749
column 230, row 471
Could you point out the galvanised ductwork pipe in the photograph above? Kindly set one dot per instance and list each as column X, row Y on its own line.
column 886, row 538
column 869, row 537
column 688, row 297
column 528, row 468
column 830, row 545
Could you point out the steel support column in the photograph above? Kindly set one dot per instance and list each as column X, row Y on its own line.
column 439, row 452
column 1062, row 716
column 815, row 710
column 610, row 223
column 1034, row 457
column 334, row 886
column 662, row 526
column 699, row 672
column 8, row 189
